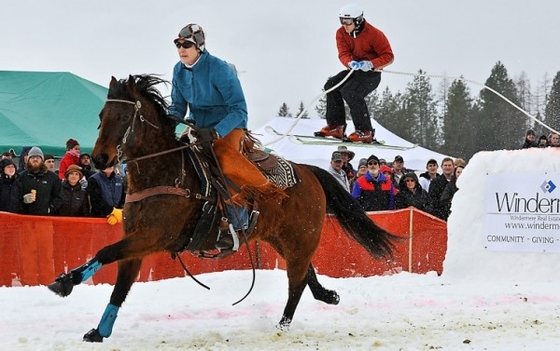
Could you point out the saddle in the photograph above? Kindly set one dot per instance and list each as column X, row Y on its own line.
column 214, row 187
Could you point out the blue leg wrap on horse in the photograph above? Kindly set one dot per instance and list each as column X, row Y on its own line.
column 105, row 326
column 89, row 269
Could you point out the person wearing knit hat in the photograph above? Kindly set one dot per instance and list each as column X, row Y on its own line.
column 72, row 157
column 373, row 190
column 74, row 196
column 41, row 187
column 398, row 170
column 372, row 158
column 10, row 187
column 50, row 162
column 35, row 151
column 85, row 163
column 362, row 169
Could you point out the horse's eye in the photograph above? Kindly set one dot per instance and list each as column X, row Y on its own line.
column 123, row 117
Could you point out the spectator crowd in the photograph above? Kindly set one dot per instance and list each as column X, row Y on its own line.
column 76, row 189
column 379, row 185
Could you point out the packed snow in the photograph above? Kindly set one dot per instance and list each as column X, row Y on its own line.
column 485, row 300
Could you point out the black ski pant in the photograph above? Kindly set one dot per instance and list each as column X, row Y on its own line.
column 354, row 90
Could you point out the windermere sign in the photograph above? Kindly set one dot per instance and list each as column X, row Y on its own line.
column 522, row 212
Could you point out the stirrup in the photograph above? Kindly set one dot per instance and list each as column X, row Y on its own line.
column 253, row 219
column 223, row 235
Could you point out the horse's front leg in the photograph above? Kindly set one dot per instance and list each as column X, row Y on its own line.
column 127, row 272
column 65, row 282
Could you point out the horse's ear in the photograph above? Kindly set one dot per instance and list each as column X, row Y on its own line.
column 113, row 82
column 131, row 86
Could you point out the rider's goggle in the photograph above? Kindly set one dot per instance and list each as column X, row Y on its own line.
column 346, row 21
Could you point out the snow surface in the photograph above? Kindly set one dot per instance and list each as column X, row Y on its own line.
column 483, row 301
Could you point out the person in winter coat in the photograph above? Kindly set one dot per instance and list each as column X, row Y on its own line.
column 85, row 165
column 22, row 160
column 364, row 49
column 208, row 88
column 373, row 190
column 411, row 194
column 431, row 173
column 530, row 141
column 106, row 195
column 72, row 157
column 437, row 186
column 451, row 189
column 74, row 198
column 40, row 187
column 10, row 187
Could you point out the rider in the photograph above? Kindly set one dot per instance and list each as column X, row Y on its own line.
column 364, row 49
column 209, row 89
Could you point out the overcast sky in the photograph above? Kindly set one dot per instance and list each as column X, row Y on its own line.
column 285, row 49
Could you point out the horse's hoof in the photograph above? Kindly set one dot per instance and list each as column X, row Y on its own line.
column 284, row 325
column 62, row 286
column 93, row 336
column 335, row 298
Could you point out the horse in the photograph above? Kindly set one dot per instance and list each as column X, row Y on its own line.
column 134, row 128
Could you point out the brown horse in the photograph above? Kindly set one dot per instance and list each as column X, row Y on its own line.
column 134, row 127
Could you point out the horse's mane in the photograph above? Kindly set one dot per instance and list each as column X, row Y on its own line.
column 146, row 86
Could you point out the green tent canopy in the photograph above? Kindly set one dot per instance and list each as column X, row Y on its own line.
column 47, row 108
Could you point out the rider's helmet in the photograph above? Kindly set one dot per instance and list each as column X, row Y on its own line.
column 351, row 11
column 192, row 32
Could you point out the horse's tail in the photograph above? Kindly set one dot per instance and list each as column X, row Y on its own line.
column 352, row 217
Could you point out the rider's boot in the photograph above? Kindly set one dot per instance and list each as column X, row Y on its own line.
column 332, row 131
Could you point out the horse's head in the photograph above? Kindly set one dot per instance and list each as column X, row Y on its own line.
column 133, row 121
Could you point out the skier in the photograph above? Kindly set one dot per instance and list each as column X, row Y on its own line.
column 364, row 49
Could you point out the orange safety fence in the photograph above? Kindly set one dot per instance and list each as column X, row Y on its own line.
column 35, row 249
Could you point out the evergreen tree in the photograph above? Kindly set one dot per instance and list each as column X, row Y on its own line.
column 423, row 125
column 389, row 110
column 458, row 128
column 552, row 110
column 300, row 110
column 525, row 98
column 284, row 111
column 502, row 123
column 321, row 107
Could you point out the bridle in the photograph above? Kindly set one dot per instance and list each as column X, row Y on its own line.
column 137, row 106
column 178, row 182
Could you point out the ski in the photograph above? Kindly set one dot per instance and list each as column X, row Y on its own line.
column 316, row 140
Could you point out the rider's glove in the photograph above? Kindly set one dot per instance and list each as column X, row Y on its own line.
column 354, row 65
column 206, row 135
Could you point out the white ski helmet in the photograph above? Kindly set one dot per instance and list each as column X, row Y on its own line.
column 352, row 11
column 192, row 32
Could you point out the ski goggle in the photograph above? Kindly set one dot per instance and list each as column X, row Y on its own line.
column 346, row 21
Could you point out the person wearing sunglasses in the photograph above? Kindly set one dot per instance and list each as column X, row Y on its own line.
column 366, row 50
column 374, row 191
column 207, row 88
column 411, row 194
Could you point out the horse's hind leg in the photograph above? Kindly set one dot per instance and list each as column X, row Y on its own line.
column 319, row 292
column 127, row 272
column 297, row 281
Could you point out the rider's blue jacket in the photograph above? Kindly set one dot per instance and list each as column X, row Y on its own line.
column 212, row 93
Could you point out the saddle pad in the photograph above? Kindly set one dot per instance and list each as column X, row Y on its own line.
column 283, row 174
